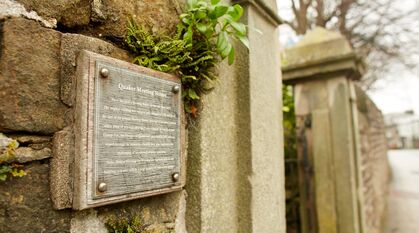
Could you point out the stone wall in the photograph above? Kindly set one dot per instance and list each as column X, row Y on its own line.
column 39, row 42
column 235, row 179
column 374, row 168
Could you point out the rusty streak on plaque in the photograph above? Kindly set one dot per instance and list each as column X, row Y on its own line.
column 129, row 132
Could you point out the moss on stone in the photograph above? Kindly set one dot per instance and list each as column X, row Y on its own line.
column 130, row 224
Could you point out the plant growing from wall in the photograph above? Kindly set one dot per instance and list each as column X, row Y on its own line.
column 203, row 38
column 123, row 224
column 7, row 153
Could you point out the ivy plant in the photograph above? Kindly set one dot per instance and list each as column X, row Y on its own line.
column 203, row 38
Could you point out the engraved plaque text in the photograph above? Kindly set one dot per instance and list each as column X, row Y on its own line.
column 128, row 132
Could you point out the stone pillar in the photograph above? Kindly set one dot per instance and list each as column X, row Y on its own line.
column 322, row 67
column 235, row 159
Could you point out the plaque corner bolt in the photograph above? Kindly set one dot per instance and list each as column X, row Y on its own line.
column 175, row 177
column 102, row 187
column 176, row 89
column 104, row 73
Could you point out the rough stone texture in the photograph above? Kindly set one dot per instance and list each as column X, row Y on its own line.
column 61, row 171
column 157, row 213
column 180, row 223
column 30, row 139
column 25, row 205
column 30, row 68
column 69, row 13
column 374, row 162
column 112, row 15
column 10, row 8
column 109, row 18
column 87, row 222
column 213, row 147
column 27, row 154
column 71, row 45
column 24, row 152
column 36, row 88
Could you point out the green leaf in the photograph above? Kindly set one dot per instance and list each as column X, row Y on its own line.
column 231, row 56
column 202, row 4
column 222, row 41
column 192, row 4
column 225, row 52
column 236, row 12
column 244, row 40
column 3, row 177
column 215, row 2
column 202, row 27
column 200, row 15
column 5, row 169
column 239, row 27
column 219, row 11
column 188, row 35
column 187, row 20
column 209, row 32
column 192, row 94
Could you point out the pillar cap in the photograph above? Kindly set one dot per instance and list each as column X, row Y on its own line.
column 321, row 53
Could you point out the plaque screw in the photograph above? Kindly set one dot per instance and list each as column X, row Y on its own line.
column 175, row 177
column 104, row 72
column 176, row 89
column 102, row 187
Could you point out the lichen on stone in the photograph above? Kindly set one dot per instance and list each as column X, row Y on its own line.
column 10, row 8
column 8, row 148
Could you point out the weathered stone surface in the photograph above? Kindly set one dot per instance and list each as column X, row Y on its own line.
column 31, row 139
column 180, row 224
column 316, row 45
column 87, row 222
column 71, row 45
column 110, row 17
column 319, row 53
column 25, row 205
column 159, row 15
column 61, row 171
column 29, row 70
column 157, row 214
column 10, row 8
column 23, row 154
column 27, row 154
column 243, row 139
column 7, row 148
column 4, row 143
column 69, row 13
column 373, row 163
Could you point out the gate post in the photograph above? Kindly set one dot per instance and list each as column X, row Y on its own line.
column 322, row 68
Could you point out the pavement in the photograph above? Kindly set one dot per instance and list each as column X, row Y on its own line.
column 403, row 201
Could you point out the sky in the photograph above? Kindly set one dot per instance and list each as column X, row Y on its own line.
column 398, row 92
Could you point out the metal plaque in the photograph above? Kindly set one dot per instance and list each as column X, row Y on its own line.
column 133, row 133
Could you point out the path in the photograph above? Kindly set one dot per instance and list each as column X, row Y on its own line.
column 403, row 202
